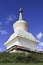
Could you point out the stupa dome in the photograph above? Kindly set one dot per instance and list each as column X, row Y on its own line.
column 20, row 24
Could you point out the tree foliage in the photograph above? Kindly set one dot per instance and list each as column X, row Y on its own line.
column 21, row 57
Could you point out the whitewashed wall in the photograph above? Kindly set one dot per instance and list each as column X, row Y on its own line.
column 22, row 42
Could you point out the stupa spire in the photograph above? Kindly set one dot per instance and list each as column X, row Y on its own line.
column 20, row 14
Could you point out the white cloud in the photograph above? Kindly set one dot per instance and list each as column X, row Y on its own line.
column 10, row 18
column 39, row 36
column 40, row 46
column 3, row 32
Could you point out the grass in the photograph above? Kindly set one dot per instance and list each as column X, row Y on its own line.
column 21, row 64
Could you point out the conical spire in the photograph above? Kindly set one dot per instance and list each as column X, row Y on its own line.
column 20, row 14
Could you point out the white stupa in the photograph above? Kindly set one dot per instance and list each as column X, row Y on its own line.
column 21, row 40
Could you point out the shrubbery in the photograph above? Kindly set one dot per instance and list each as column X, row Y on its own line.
column 21, row 57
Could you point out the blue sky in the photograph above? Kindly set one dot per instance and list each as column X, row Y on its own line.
column 32, row 13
